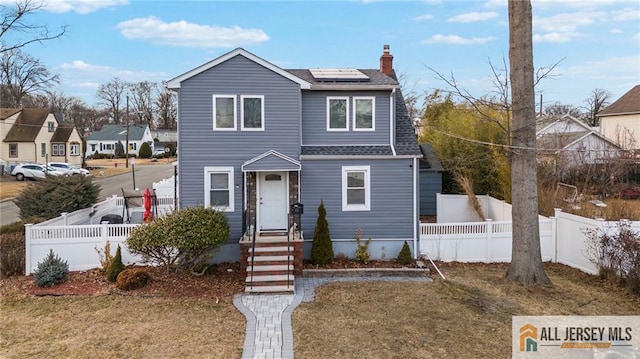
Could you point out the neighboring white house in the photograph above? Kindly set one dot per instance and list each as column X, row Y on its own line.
column 569, row 142
column 37, row 135
column 105, row 140
column 620, row 121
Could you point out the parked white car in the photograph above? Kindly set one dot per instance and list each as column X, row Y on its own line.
column 33, row 171
column 68, row 169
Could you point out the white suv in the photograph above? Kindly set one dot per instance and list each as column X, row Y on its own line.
column 68, row 169
column 33, row 171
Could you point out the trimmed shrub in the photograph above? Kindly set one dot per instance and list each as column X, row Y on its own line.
column 53, row 270
column 132, row 279
column 53, row 195
column 404, row 257
column 362, row 249
column 12, row 254
column 322, row 250
column 119, row 150
column 187, row 238
column 115, row 267
column 105, row 257
column 145, row 151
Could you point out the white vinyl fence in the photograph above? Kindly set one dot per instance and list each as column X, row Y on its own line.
column 563, row 239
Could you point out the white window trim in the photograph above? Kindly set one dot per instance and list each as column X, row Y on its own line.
column 235, row 113
column 373, row 113
column 207, row 187
column 367, row 188
column 346, row 127
column 242, row 97
column 74, row 149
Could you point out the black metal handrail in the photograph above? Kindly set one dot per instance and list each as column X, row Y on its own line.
column 252, row 232
column 288, row 251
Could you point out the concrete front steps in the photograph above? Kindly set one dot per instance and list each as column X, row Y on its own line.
column 272, row 271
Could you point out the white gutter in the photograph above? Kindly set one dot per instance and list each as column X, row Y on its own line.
column 415, row 209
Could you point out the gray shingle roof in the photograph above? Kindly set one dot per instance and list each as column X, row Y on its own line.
column 118, row 132
column 346, row 151
column 376, row 79
column 27, row 125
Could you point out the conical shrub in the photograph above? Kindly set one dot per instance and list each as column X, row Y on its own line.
column 322, row 250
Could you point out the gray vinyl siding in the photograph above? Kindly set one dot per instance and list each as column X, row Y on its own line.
column 200, row 146
column 314, row 120
column 430, row 184
column 391, row 215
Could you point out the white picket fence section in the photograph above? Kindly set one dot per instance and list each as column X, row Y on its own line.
column 563, row 239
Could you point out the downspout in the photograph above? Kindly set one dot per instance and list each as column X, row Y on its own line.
column 415, row 209
column 392, row 120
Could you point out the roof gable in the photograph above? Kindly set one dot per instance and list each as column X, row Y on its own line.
column 8, row 112
column 62, row 133
column 271, row 161
column 174, row 83
column 118, row 133
column 566, row 123
column 629, row 103
column 28, row 125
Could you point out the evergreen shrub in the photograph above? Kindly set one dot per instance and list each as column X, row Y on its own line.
column 362, row 249
column 132, row 279
column 115, row 267
column 145, row 151
column 11, row 254
column 322, row 250
column 404, row 257
column 53, row 270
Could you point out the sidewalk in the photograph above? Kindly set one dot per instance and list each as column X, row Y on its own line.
column 269, row 334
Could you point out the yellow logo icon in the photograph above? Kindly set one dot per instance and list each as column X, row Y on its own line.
column 528, row 337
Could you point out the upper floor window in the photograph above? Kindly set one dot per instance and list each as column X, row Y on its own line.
column 13, row 150
column 51, row 126
column 224, row 112
column 57, row 149
column 356, row 188
column 74, row 149
column 218, row 188
column 364, row 113
column 337, row 113
column 252, row 112
column 43, row 149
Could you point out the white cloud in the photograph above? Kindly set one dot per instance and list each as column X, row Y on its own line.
column 613, row 68
column 616, row 31
column 423, row 17
column 80, row 74
column 567, row 22
column 555, row 37
column 626, row 15
column 81, row 6
column 474, row 16
column 636, row 37
column 457, row 40
column 79, row 65
column 183, row 33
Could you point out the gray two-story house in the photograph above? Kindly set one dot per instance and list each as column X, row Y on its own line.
column 255, row 138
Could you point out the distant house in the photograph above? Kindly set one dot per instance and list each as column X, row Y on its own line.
column 105, row 140
column 568, row 142
column 37, row 135
column 620, row 121
column 164, row 140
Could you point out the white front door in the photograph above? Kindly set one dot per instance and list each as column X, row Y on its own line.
column 272, row 201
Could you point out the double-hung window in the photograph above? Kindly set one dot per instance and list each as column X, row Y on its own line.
column 13, row 150
column 218, row 185
column 51, row 126
column 74, row 149
column 57, row 149
column 252, row 112
column 364, row 113
column 356, row 188
column 337, row 113
column 224, row 112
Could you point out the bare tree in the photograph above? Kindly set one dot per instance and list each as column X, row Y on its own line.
column 526, row 257
column 598, row 100
column 14, row 22
column 141, row 100
column 22, row 75
column 111, row 96
column 558, row 110
column 167, row 109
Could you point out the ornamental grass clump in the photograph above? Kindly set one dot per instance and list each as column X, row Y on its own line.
column 51, row 271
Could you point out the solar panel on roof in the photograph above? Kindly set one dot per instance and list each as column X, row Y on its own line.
column 338, row 75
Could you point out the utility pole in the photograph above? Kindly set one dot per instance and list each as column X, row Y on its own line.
column 126, row 147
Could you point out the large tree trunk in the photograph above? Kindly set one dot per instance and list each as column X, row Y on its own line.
column 526, row 258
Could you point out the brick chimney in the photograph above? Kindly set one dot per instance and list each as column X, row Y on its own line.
column 386, row 62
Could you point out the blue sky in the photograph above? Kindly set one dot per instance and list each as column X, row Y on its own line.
column 598, row 41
